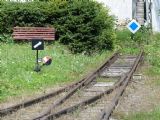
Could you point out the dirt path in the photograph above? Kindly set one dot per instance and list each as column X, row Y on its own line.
column 141, row 95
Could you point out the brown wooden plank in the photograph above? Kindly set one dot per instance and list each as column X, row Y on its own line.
column 33, row 35
column 33, row 38
column 29, row 33
column 30, row 27
column 21, row 30
column 34, row 32
column 34, row 27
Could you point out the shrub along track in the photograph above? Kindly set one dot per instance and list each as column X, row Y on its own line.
column 28, row 107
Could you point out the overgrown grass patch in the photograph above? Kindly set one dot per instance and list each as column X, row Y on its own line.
column 150, row 43
column 17, row 62
column 153, row 115
column 151, row 75
column 142, row 40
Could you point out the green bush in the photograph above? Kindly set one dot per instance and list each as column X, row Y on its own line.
column 143, row 39
column 153, row 50
column 126, row 39
column 123, row 37
column 85, row 26
column 6, row 38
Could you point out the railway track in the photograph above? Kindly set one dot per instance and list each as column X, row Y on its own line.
column 27, row 108
column 111, row 78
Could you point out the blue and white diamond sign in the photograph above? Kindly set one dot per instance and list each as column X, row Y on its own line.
column 133, row 26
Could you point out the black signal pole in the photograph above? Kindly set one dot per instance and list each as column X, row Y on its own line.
column 37, row 44
column 132, row 36
column 37, row 67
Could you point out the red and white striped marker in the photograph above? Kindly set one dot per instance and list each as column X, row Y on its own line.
column 47, row 60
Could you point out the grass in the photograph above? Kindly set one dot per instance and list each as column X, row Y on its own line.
column 153, row 112
column 150, row 43
column 18, row 60
column 153, row 115
column 143, row 39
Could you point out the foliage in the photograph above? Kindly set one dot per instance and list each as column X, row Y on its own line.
column 123, row 38
column 153, row 52
column 6, row 38
column 145, row 40
column 85, row 26
column 150, row 43
column 127, row 39
column 142, row 37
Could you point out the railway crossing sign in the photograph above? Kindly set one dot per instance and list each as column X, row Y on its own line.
column 133, row 26
column 37, row 44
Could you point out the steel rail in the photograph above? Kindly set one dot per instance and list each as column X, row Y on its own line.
column 107, row 111
column 87, row 80
column 92, row 99
column 85, row 102
column 14, row 108
column 18, row 106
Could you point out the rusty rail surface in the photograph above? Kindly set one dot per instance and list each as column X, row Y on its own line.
column 107, row 111
column 83, row 103
column 120, row 84
column 16, row 107
column 87, row 80
column 73, row 87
